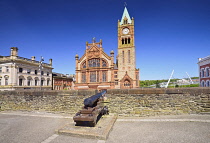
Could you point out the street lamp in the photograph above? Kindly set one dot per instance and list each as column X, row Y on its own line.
column 40, row 68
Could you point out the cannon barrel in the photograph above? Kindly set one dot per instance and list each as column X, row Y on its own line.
column 90, row 101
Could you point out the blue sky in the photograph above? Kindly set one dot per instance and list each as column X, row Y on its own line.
column 169, row 34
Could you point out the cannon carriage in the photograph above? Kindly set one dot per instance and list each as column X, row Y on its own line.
column 92, row 110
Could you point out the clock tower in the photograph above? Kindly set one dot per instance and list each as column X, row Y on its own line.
column 128, row 75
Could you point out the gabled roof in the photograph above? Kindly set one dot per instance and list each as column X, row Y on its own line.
column 125, row 14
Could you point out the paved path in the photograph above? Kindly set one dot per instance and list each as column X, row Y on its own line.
column 39, row 127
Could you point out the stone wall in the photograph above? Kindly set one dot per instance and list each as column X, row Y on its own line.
column 150, row 102
column 50, row 101
column 130, row 102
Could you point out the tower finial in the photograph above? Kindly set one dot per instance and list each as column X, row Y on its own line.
column 94, row 39
column 125, row 4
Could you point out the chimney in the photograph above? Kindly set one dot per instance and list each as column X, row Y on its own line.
column 33, row 58
column 14, row 51
column 50, row 62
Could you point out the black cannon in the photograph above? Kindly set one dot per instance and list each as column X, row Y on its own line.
column 92, row 111
column 91, row 101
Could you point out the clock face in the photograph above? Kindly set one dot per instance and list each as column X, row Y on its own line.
column 125, row 31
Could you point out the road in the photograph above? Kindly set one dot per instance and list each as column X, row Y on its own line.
column 39, row 127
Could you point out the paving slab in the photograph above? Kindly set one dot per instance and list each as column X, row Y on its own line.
column 100, row 131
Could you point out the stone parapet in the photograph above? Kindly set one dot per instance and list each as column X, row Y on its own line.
column 126, row 102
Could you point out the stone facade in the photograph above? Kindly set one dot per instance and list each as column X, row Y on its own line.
column 124, row 102
column 22, row 73
column 204, row 71
column 95, row 69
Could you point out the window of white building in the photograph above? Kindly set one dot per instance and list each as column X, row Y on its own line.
column 20, row 82
column 42, row 82
column 36, row 81
column 6, row 81
column 20, row 70
column 0, row 69
column 29, row 79
column 7, row 69
column 48, row 82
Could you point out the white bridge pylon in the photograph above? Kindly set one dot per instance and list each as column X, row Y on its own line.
column 166, row 86
column 169, row 79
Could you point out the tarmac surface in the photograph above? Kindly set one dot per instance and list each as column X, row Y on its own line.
column 39, row 127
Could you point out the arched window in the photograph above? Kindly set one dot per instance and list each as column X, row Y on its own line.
column 83, row 77
column 42, row 82
column 207, row 72
column 126, row 40
column 48, row 82
column 127, row 83
column 21, row 80
column 129, row 40
column 93, row 76
column 122, row 41
column 104, row 64
column 29, row 79
column 36, row 79
column 207, row 83
column 6, row 77
column 202, row 83
column 94, row 63
column 202, row 72
column 104, row 76
column 125, row 21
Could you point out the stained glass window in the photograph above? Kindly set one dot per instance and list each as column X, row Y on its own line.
column 93, row 76
column 127, row 83
column 104, row 64
column 83, row 77
column 94, row 63
column 104, row 76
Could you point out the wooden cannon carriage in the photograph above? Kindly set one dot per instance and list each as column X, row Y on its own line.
column 92, row 111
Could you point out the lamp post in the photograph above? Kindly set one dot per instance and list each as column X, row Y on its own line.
column 40, row 68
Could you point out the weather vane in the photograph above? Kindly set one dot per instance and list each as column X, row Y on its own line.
column 125, row 4
column 94, row 39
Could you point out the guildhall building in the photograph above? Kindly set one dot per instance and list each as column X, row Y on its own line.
column 97, row 70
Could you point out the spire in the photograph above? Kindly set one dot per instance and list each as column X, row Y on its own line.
column 125, row 14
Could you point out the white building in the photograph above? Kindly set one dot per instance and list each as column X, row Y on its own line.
column 22, row 73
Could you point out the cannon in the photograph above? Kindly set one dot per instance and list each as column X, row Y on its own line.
column 92, row 110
